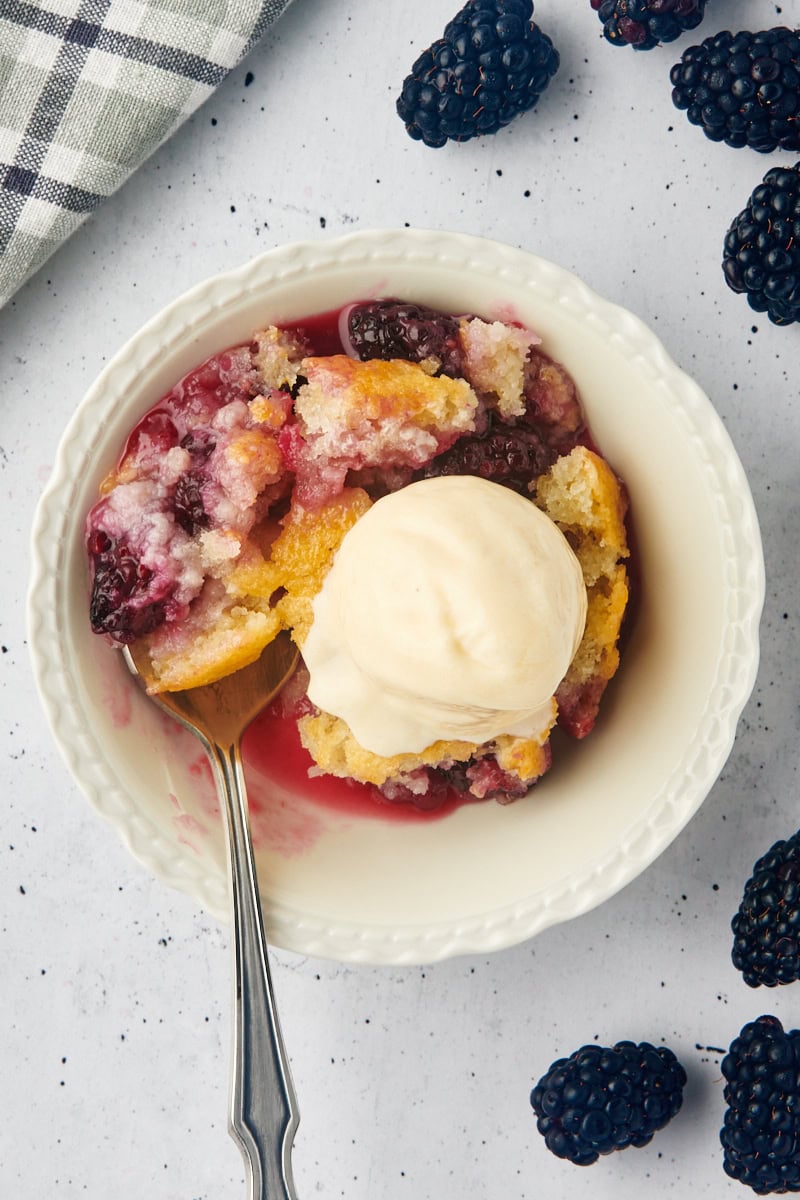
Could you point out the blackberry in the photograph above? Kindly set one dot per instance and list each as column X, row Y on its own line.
column 511, row 455
column 199, row 442
column 395, row 329
column 761, row 1131
column 119, row 604
column 477, row 779
column 743, row 89
column 607, row 1098
column 644, row 24
column 188, row 504
column 766, row 929
column 491, row 63
column 762, row 247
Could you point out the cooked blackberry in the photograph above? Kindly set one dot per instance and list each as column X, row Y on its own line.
column 762, row 247
column 766, row 929
column 492, row 63
column 119, row 603
column 199, row 442
column 644, row 24
column 476, row 779
column 743, row 89
column 394, row 329
column 512, row 455
column 761, row 1131
column 602, row 1099
column 187, row 503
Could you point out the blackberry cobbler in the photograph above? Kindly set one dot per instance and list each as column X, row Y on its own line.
column 220, row 523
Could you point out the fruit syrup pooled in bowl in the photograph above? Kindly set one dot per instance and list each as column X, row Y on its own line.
column 449, row 457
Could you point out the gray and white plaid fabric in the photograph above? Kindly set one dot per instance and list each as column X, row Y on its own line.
column 88, row 89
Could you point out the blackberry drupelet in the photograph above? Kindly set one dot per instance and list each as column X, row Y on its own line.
column 644, row 24
column 766, row 929
column 761, row 1131
column 396, row 329
column 607, row 1098
column 761, row 256
column 491, row 63
column 743, row 89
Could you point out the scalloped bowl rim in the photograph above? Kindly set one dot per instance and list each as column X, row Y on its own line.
column 690, row 778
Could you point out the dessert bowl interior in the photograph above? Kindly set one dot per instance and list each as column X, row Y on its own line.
column 382, row 885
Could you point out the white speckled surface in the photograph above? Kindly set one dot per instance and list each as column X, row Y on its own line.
column 412, row 1081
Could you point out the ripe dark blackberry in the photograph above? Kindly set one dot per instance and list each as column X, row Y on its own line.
column 512, row 455
column 491, row 63
column 743, row 89
column 762, row 247
column 761, row 1131
column 766, row 929
column 644, row 24
column 607, row 1098
column 395, row 329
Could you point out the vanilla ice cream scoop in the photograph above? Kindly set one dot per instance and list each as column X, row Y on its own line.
column 452, row 610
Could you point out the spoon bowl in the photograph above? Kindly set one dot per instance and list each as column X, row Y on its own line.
column 263, row 1113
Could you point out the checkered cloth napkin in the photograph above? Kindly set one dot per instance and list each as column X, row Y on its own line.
column 88, row 89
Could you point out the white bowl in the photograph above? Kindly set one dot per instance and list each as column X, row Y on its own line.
column 359, row 887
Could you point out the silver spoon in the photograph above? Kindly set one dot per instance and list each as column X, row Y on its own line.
column 263, row 1114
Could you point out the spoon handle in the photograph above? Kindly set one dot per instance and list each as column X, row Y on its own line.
column 263, row 1115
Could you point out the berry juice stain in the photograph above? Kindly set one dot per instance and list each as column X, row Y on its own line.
column 118, row 701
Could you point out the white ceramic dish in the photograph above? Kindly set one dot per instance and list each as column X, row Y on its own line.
column 362, row 888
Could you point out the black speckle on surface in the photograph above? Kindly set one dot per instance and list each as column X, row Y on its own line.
column 248, row 79
column 21, row 890
column 323, row 222
column 213, row 120
column 233, row 208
